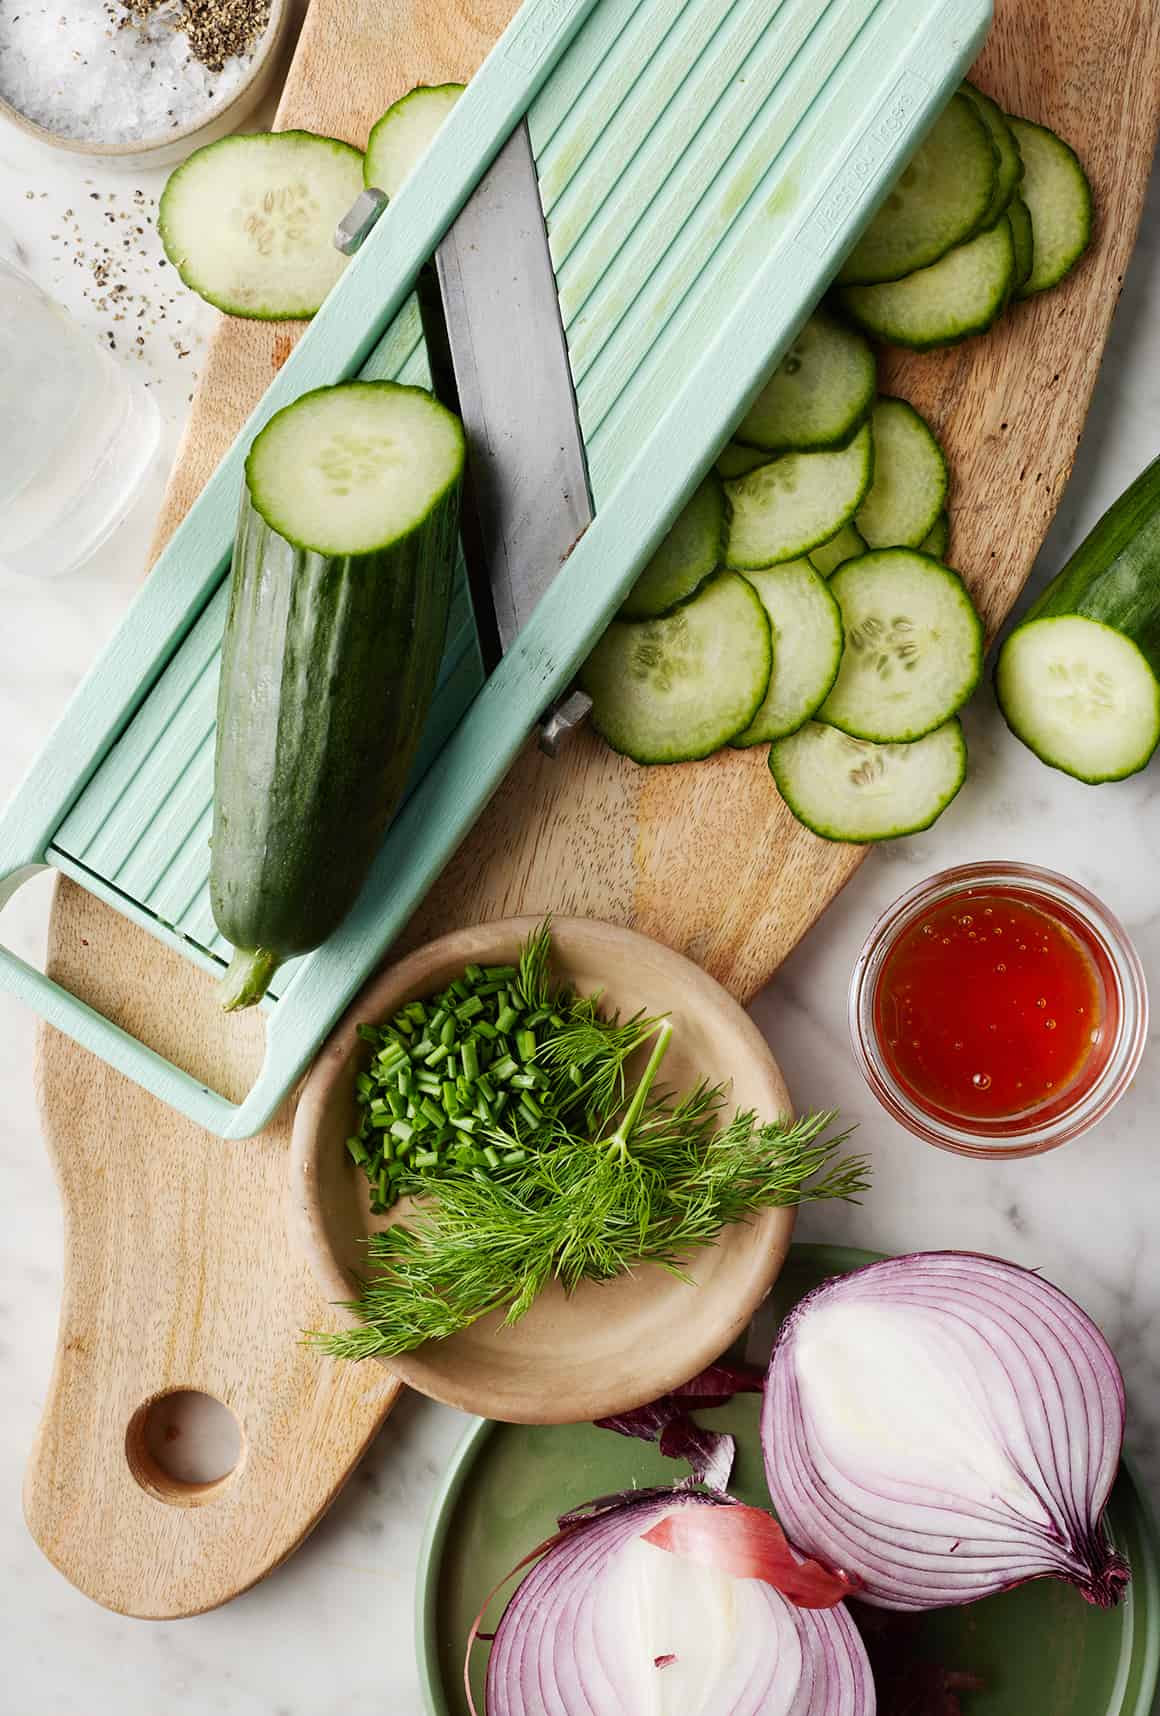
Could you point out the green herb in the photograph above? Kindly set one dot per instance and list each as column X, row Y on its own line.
column 572, row 1179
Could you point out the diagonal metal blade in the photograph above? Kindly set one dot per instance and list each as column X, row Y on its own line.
column 528, row 474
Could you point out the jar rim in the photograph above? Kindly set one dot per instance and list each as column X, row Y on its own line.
column 1091, row 1104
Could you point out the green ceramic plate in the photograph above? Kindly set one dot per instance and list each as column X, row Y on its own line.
column 1040, row 1650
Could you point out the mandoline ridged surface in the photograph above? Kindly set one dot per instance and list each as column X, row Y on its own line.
column 670, row 139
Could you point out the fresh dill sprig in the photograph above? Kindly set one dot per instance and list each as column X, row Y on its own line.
column 610, row 1180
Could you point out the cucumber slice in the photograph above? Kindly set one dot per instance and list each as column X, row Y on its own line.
column 689, row 553
column 677, row 688
column 846, row 789
column 1019, row 220
column 738, row 461
column 350, row 469
column 1009, row 168
column 404, row 133
column 1080, row 695
column 936, row 542
column 910, row 478
column 819, row 393
column 807, row 647
column 248, row 222
column 940, row 200
column 914, row 646
column 938, row 306
column 846, row 545
column 786, row 507
column 1059, row 200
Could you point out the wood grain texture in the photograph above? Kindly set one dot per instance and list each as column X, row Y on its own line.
column 703, row 856
column 179, row 1272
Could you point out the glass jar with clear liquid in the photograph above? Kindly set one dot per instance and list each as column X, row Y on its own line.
column 77, row 434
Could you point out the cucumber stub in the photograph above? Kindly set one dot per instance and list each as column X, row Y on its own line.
column 791, row 504
column 914, row 646
column 961, row 294
column 248, row 222
column 806, row 625
column 352, row 469
column 910, row 478
column 850, row 790
column 1080, row 695
column 819, row 393
column 735, row 460
column 677, row 688
column 937, row 540
column 1059, row 200
column 689, row 553
column 404, row 133
column 1022, row 241
column 940, row 199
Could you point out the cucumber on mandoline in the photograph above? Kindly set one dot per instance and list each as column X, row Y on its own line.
column 786, row 507
column 847, row 789
column 689, row 553
column 735, row 460
column 939, row 200
column 1023, row 243
column 910, row 479
column 914, row 646
column 404, row 133
column 1009, row 166
column 846, row 545
column 338, row 607
column 959, row 295
column 1059, row 200
column 806, row 627
column 248, row 222
column 937, row 539
column 817, row 396
column 677, row 688
column 1077, row 680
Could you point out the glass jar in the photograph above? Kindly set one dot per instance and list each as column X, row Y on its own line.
column 1117, row 1043
column 77, row 434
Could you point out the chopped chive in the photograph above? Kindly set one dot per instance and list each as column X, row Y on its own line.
column 402, row 1129
column 436, row 1057
column 470, row 1057
column 575, row 1075
column 474, row 974
column 368, row 1033
column 491, row 1156
column 526, row 1044
column 485, row 1029
column 357, row 1150
column 511, row 1157
column 426, row 1158
column 433, row 1112
column 422, row 1047
column 504, row 1069
column 508, row 1018
column 470, row 1009
column 448, row 1033
column 531, row 1107
column 523, row 1081
column 463, row 1122
column 450, row 1095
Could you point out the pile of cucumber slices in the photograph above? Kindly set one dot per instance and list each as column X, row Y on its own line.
column 801, row 601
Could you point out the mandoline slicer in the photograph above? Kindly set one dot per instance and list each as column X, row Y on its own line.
column 703, row 165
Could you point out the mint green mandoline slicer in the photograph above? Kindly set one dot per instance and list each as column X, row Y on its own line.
column 703, row 166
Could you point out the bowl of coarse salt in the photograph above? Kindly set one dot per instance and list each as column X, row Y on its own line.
column 137, row 82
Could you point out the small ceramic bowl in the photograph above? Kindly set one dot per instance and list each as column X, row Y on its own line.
column 612, row 1345
column 172, row 146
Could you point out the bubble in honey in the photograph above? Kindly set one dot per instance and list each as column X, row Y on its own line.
column 1000, row 966
column 1049, row 1024
column 981, row 1081
column 1042, row 1001
column 966, row 920
column 958, row 1045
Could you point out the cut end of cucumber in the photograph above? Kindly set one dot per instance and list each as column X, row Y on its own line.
column 403, row 135
column 678, row 688
column 846, row 545
column 1080, row 695
column 960, row 294
column 819, row 393
column 350, row 469
column 847, row 789
column 247, row 979
column 248, row 222
column 737, row 461
column 690, row 552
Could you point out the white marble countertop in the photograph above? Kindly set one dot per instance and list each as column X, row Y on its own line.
column 331, row 1631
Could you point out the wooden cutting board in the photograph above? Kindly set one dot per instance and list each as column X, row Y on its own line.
column 178, row 1270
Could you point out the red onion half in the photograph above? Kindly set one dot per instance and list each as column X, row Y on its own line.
column 631, row 1613
column 943, row 1426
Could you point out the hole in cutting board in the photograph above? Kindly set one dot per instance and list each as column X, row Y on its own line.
column 183, row 1447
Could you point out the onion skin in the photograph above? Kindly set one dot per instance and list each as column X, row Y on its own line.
column 558, row 1652
column 1043, row 1409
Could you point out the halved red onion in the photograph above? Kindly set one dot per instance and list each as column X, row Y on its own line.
column 611, row 1623
column 943, row 1426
